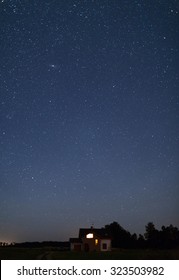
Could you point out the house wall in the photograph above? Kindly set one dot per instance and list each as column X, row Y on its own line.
column 89, row 244
column 75, row 247
column 105, row 245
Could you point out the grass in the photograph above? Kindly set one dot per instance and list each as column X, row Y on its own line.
column 123, row 254
column 13, row 253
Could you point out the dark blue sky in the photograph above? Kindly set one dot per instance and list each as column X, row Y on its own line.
column 89, row 116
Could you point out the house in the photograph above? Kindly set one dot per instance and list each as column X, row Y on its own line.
column 91, row 239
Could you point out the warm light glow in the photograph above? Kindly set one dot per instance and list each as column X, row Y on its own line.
column 96, row 241
column 89, row 235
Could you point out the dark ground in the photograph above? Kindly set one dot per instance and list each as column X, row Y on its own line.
column 14, row 253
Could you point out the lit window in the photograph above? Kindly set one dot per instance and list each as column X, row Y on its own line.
column 89, row 235
column 96, row 241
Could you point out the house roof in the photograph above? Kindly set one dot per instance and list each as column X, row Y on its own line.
column 101, row 233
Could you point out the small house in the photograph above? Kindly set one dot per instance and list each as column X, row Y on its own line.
column 91, row 239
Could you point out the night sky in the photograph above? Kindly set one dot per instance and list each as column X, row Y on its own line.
column 89, row 116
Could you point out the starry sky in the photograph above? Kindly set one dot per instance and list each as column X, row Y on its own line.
column 89, row 114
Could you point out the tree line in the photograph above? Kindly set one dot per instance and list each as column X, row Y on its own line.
column 166, row 238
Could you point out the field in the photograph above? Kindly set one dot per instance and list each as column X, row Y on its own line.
column 49, row 253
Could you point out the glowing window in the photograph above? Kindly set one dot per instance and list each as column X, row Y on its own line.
column 89, row 235
column 96, row 241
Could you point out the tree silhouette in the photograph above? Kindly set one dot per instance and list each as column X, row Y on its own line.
column 120, row 237
column 141, row 241
column 150, row 229
column 167, row 237
column 152, row 235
